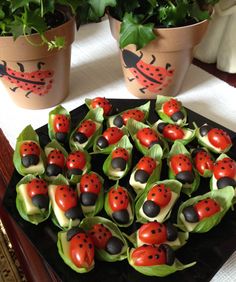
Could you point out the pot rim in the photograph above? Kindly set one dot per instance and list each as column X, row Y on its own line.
column 166, row 28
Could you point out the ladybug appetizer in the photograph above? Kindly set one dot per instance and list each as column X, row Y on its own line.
column 77, row 163
column 140, row 114
column 118, row 205
column 151, row 78
column 109, row 138
column 100, row 102
column 170, row 110
column 156, row 202
column 76, row 248
column 90, row 191
column 147, row 166
column 144, row 136
column 32, row 199
column 155, row 233
column 119, row 160
column 109, row 242
column 28, row 156
column 224, row 173
column 65, row 204
column 202, row 213
column 59, row 124
column 203, row 161
column 154, row 260
column 89, row 128
column 103, row 239
column 172, row 132
column 181, row 168
column 215, row 139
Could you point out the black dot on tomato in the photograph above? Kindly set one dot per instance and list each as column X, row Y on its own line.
column 81, row 245
column 157, row 256
column 150, row 257
column 207, row 209
column 153, row 231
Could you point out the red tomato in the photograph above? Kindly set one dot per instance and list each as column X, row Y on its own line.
column 65, row 197
column 219, row 138
column 206, row 208
column 153, row 233
column 160, row 194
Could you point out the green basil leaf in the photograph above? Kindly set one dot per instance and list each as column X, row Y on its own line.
column 204, row 141
column 213, row 180
column 179, row 148
column 160, row 100
column 130, row 208
column 145, row 108
column 56, row 111
column 93, row 210
column 36, row 218
column 60, row 180
column 222, row 196
column 74, row 179
column 63, row 250
column 107, row 168
column 28, row 134
column 99, row 7
column 133, row 127
column 156, row 153
column 89, row 222
column 134, row 32
column 189, row 134
column 96, row 115
column 54, row 144
column 159, row 270
column 175, row 187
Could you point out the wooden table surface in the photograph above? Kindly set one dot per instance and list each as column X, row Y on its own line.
column 35, row 269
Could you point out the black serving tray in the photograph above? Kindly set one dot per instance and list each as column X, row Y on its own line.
column 209, row 250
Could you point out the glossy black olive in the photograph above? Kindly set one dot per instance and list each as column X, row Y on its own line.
column 118, row 121
column 114, row 245
column 177, row 116
column 118, row 164
column 190, row 214
column 40, row 201
column 150, row 208
column 74, row 213
column 72, row 232
column 53, row 170
column 29, row 160
column 204, row 130
column 121, row 216
column 141, row 176
column 61, row 136
column 185, row 177
column 196, row 151
column 80, row 137
column 172, row 232
column 74, row 171
column 88, row 199
column 102, row 142
column 161, row 126
column 225, row 181
column 170, row 254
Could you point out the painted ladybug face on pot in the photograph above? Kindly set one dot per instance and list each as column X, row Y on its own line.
column 152, row 78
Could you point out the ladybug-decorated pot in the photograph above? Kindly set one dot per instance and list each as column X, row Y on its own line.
column 34, row 76
column 161, row 66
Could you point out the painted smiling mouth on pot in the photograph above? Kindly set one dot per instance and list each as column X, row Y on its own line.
column 38, row 82
column 152, row 78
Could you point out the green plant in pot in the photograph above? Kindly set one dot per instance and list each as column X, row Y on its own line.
column 156, row 39
column 35, row 50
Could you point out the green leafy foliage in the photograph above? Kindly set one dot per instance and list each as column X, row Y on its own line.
column 33, row 16
column 139, row 17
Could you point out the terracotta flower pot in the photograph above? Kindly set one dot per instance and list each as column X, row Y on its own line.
column 161, row 66
column 34, row 77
